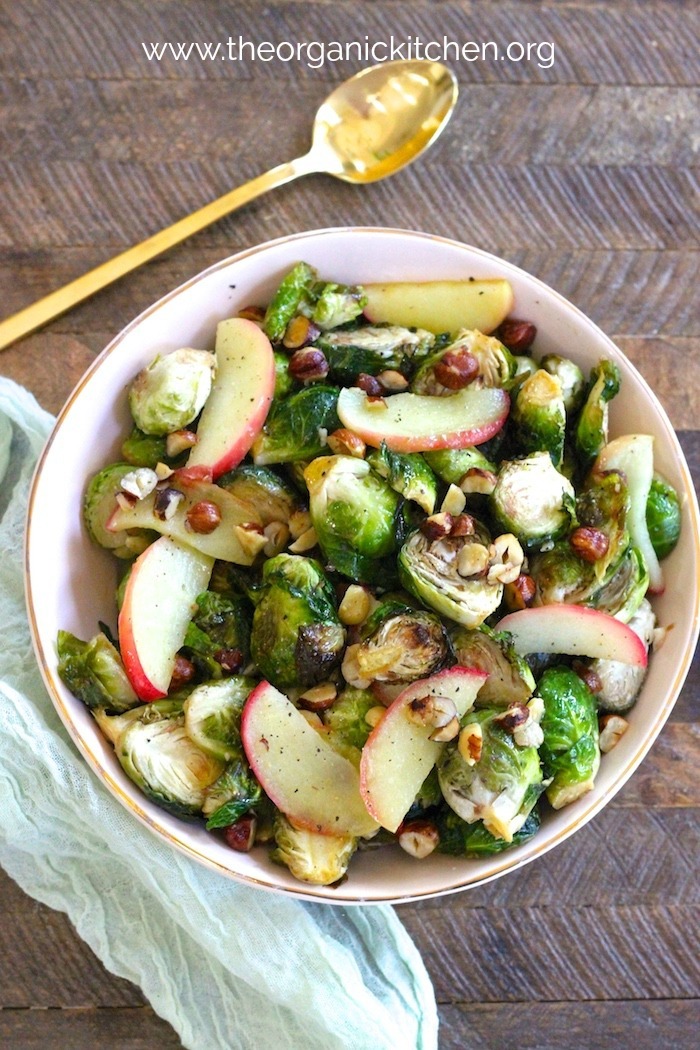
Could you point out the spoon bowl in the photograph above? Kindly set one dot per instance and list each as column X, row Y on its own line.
column 372, row 125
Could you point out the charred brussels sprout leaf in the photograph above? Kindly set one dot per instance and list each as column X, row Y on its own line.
column 510, row 679
column 170, row 393
column 354, row 513
column 297, row 638
column 273, row 498
column 231, row 796
column 403, row 646
column 460, row 839
column 292, row 294
column 408, row 474
column 373, row 349
column 94, row 673
column 213, row 716
column 570, row 753
column 337, row 304
column 663, row 516
column 296, row 427
column 538, row 417
column 501, row 788
column 220, row 628
column 533, row 500
column 99, row 503
column 311, row 856
column 591, row 432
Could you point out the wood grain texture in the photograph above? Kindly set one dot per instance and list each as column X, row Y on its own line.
column 116, row 1028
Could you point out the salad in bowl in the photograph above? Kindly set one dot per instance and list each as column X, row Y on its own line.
column 367, row 579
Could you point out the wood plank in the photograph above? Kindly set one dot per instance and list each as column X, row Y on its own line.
column 593, row 43
column 188, row 120
column 120, row 1028
column 575, row 1026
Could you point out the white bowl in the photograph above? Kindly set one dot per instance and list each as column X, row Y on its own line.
column 70, row 582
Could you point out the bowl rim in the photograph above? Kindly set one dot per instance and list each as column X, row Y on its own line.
column 510, row 861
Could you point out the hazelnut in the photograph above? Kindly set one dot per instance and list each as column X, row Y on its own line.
column 319, row 697
column 457, row 368
column 179, row 441
column 478, row 481
column 587, row 675
column 241, row 835
column 308, row 365
column 612, row 729
column 183, row 672
column 418, row 837
column 203, row 517
column 507, row 558
column 251, row 538
column 299, row 332
column 589, row 544
column 437, row 526
column 139, row 483
column 520, row 593
column 370, row 384
column 392, row 382
column 434, row 711
column 473, row 560
column 230, row 660
column 166, row 502
column 344, row 443
column 374, row 715
column 454, row 501
column 517, row 335
column 252, row 313
column 470, row 743
column 305, row 542
column 355, row 605
column 514, row 716
column 462, row 525
column 277, row 536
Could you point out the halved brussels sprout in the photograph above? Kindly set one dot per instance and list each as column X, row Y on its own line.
column 337, row 304
column 561, row 576
column 94, row 672
column 346, row 723
column 622, row 593
column 501, row 788
column 273, row 498
column 620, row 683
column 538, row 416
column 570, row 752
column 231, row 796
column 591, row 433
column 292, row 293
column 296, row 428
column 354, row 513
column 603, row 504
column 144, row 450
column 213, row 716
column 402, row 647
column 297, row 638
column 533, row 500
column 570, row 376
column 451, row 464
column 510, row 679
column 309, row 855
column 495, row 361
column 113, row 726
column 460, row 839
column 663, row 516
column 373, row 349
column 408, row 474
column 170, row 393
column 429, row 569
column 99, row 504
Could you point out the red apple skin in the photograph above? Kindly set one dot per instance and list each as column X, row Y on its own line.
column 541, row 624
column 144, row 689
column 227, row 448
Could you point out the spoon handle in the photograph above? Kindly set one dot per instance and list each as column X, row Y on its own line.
column 56, row 303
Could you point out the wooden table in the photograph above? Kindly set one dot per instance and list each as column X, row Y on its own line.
column 581, row 172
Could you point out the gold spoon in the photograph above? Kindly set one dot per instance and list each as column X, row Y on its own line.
column 371, row 126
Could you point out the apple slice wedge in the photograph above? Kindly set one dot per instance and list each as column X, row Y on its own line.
column 574, row 630
column 307, row 779
column 419, row 422
column 227, row 541
column 240, row 398
column 440, row 306
column 633, row 454
column 399, row 754
column 157, row 607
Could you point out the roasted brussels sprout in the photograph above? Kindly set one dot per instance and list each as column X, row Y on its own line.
column 170, row 393
column 408, row 474
column 402, row 646
column 373, row 349
column 273, row 498
column 570, row 752
column 451, row 464
column 430, row 570
column 570, row 376
column 296, row 427
column 496, row 364
column 524, row 366
column 218, row 637
column 99, row 503
column 501, row 787
column 663, row 516
column 297, row 638
column 309, row 855
column 144, row 450
column 510, row 679
column 284, row 381
column 622, row 594
column 591, row 433
column 620, row 683
column 461, row 839
column 213, row 716
column 538, row 417
column 94, row 672
column 337, row 304
column 293, row 292
column 354, row 512
column 533, row 500
column 231, row 796
column 602, row 505
column 113, row 725
column 346, row 723
column 561, row 576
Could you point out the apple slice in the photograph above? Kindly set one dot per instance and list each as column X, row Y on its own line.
column 440, row 306
column 240, row 399
column 633, row 454
column 419, row 422
column 157, row 607
column 227, row 541
column 574, row 630
column 399, row 754
column 305, row 777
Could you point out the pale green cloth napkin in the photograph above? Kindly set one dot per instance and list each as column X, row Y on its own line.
column 228, row 966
